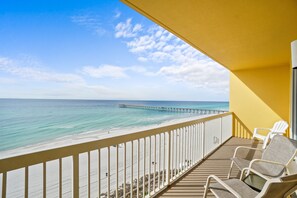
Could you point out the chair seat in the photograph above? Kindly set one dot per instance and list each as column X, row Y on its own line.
column 240, row 187
column 268, row 170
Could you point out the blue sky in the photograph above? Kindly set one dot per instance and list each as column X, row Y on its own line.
column 99, row 50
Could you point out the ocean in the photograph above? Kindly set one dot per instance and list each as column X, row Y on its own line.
column 26, row 122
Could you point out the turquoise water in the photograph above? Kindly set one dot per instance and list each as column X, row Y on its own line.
column 26, row 121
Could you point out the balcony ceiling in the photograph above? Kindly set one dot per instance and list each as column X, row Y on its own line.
column 238, row 34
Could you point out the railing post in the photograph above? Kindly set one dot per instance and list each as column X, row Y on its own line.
column 221, row 130
column 203, row 140
column 168, row 158
column 108, row 172
column 131, row 186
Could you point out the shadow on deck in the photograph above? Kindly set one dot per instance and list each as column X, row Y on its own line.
column 192, row 184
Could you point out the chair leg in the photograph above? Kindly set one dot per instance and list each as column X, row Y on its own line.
column 205, row 192
column 265, row 141
column 206, row 187
column 230, row 170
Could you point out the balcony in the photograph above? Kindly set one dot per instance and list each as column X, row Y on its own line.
column 188, row 151
column 218, row 163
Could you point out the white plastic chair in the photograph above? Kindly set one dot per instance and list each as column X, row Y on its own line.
column 279, row 128
column 274, row 187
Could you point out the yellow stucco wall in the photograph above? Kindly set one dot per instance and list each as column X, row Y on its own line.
column 259, row 97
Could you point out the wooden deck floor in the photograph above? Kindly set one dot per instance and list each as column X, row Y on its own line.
column 192, row 184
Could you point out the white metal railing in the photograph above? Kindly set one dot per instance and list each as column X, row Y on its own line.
column 140, row 164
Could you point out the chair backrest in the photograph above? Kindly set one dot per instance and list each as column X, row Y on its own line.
column 280, row 126
column 280, row 150
column 279, row 188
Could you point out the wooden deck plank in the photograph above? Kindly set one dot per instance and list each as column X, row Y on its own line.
column 192, row 184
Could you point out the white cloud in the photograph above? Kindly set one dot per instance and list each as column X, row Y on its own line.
column 14, row 67
column 4, row 80
column 69, row 85
column 105, row 71
column 182, row 63
column 201, row 74
column 126, row 29
column 117, row 14
column 112, row 71
column 89, row 21
column 142, row 59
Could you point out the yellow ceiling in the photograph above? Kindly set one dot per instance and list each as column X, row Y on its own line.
column 239, row 34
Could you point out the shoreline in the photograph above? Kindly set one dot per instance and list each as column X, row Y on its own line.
column 86, row 137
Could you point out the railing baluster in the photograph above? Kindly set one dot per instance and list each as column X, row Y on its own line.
column 144, row 160
column 60, row 177
column 184, row 148
column 221, row 130
column 4, row 180
column 172, row 154
column 188, row 145
column 199, row 141
column 164, row 158
column 196, row 143
column 159, row 161
column 108, row 172
column 179, row 150
column 149, row 165
column 117, row 170
column 168, row 158
column 203, row 139
column 89, row 175
column 44, row 179
column 131, row 189
column 138, row 166
column 26, row 182
column 155, row 146
column 176, row 152
column 125, row 167
column 99, row 172
column 75, row 176
column 192, row 144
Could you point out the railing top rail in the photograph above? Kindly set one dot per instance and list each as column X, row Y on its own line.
column 16, row 162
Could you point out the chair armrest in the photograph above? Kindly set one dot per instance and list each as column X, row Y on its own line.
column 257, row 135
column 247, row 148
column 231, row 190
column 249, row 170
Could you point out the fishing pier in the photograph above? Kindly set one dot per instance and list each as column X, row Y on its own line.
column 173, row 109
